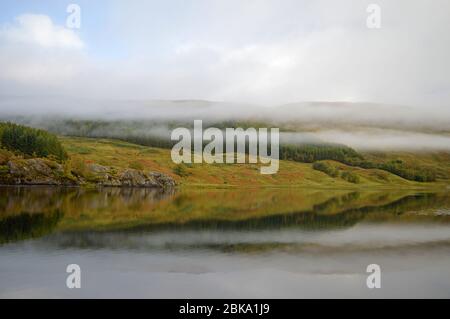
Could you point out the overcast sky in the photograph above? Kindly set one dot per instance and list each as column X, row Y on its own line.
column 253, row 51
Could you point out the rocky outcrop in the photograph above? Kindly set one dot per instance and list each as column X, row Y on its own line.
column 135, row 178
column 35, row 171
column 164, row 180
column 38, row 171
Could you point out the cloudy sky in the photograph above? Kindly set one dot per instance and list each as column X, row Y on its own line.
column 252, row 51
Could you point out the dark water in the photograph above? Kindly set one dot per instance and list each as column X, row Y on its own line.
column 253, row 243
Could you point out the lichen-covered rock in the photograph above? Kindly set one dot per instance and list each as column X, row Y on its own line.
column 35, row 171
column 109, row 181
column 164, row 180
column 132, row 177
column 98, row 173
column 135, row 178
column 39, row 171
column 104, row 176
column 97, row 169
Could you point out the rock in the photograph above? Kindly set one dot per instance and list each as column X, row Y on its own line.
column 98, row 173
column 135, row 178
column 16, row 169
column 39, row 171
column 35, row 171
column 132, row 177
column 97, row 169
column 107, row 179
column 164, row 180
column 104, row 176
column 40, row 167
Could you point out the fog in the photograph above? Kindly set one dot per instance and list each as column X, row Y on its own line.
column 311, row 67
column 375, row 139
column 314, row 115
column 364, row 126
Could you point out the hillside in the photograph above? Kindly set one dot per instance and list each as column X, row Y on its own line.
column 122, row 155
column 30, row 156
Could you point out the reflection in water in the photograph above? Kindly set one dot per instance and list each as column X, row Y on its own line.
column 26, row 225
column 282, row 236
column 32, row 212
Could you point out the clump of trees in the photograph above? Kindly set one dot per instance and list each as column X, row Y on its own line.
column 30, row 141
column 326, row 168
column 332, row 171
column 399, row 168
column 309, row 153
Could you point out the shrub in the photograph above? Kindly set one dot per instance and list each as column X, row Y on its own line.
column 350, row 177
column 181, row 170
column 326, row 168
column 4, row 169
column 4, row 156
column 397, row 167
column 381, row 175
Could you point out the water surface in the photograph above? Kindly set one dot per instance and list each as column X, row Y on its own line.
column 245, row 243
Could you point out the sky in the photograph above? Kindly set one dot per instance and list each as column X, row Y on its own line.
column 263, row 52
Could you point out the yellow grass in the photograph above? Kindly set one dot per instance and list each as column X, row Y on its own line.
column 122, row 155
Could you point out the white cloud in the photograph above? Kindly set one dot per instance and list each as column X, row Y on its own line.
column 265, row 52
column 273, row 52
column 36, row 55
column 39, row 30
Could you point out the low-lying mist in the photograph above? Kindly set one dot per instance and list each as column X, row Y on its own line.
column 363, row 126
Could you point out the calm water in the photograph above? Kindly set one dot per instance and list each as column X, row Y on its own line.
column 245, row 243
